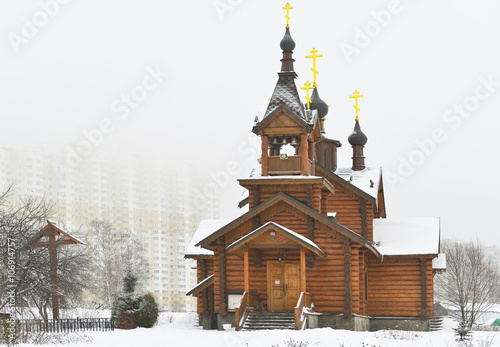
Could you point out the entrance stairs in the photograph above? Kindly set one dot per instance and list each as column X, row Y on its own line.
column 265, row 320
column 436, row 323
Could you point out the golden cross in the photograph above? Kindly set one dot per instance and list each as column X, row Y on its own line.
column 356, row 96
column 287, row 8
column 314, row 56
column 307, row 87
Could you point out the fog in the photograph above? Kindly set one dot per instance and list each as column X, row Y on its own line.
column 184, row 80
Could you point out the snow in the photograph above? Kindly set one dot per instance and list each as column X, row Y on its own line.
column 361, row 179
column 258, row 174
column 177, row 329
column 201, row 283
column 439, row 263
column 406, row 236
column 206, row 228
column 66, row 233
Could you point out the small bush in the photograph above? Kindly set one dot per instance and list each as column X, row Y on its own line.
column 148, row 311
column 463, row 331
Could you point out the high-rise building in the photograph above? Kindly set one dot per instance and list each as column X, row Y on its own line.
column 160, row 204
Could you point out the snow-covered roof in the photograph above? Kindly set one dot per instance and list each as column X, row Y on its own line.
column 66, row 233
column 200, row 285
column 205, row 229
column 439, row 263
column 258, row 174
column 406, row 236
column 368, row 180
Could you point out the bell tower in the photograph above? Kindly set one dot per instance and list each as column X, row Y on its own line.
column 288, row 131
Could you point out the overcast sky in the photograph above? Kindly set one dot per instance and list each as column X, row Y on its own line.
column 185, row 79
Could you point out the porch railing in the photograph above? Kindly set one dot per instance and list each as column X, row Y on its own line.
column 304, row 303
column 248, row 301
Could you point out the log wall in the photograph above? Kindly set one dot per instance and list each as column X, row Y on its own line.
column 349, row 212
column 395, row 288
column 204, row 302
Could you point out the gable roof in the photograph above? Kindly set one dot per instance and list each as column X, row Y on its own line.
column 360, row 184
column 280, row 109
column 205, row 228
column 46, row 231
column 362, row 179
column 289, row 234
column 407, row 236
column 207, row 282
column 285, row 93
column 282, row 197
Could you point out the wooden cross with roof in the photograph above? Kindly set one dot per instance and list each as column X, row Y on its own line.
column 47, row 238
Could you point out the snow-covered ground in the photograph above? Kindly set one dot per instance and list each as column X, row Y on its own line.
column 179, row 330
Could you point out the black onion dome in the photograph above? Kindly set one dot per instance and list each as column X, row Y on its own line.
column 287, row 44
column 318, row 104
column 357, row 137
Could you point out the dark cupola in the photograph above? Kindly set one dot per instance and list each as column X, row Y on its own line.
column 358, row 140
column 318, row 104
column 357, row 137
column 287, row 45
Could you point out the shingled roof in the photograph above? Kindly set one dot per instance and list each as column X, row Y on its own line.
column 285, row 93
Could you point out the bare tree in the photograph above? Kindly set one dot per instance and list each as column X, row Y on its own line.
column 19, row 222
column 470, row 284
column 113, row 252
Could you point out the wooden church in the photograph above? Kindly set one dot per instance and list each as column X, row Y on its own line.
column 315, row 248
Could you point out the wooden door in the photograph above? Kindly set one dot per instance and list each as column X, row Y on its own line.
column 283, row 285
column 292, row 285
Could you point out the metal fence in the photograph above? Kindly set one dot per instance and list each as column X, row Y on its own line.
column 65, row 325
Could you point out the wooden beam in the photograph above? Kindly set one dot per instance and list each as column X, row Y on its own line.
column 302, row 270
column 255, row 195
column 304, row 158
column 309, row 191
column 221, row 250
column 204, row 293
column 347, row 278
column 246, row 272
column 423, row 280
column 265, row 155
column 53, row 277
column 364, row 224
column 311, row 156
column 310, row 228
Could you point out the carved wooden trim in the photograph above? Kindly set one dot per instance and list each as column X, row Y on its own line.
column 221, row 249
column 204, row 294
column 364, row 224
column 373, row 260
column 423, row 280
column 256, row 195
column 347, row 278
column 280, row 208
column 310, row 228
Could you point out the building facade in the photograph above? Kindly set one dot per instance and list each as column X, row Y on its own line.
column 315, row 248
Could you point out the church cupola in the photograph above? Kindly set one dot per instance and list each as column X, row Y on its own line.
column 357, row 139
column 320, row 106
